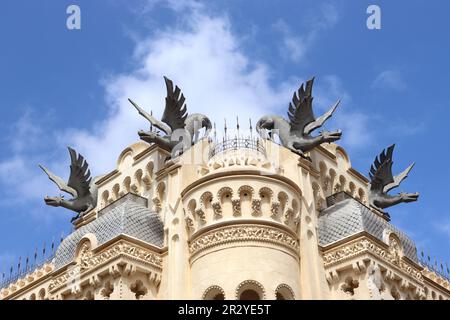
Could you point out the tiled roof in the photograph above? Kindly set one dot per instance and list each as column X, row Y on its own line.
column 127, row 216
column 349, row 217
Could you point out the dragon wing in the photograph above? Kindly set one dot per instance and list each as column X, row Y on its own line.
column 80, row 176
column 300, row 109
column 175, row 112
column 398, row 179
column 321, row 120
column 160, row 125
column 59, row 182
column 381, row 171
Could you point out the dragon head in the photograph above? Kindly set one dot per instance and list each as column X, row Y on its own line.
column 331, row 136
column 266, row 122
column 54, row 201
column 147, row 136
column 409, row 197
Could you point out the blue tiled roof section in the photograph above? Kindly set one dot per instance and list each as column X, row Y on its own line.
column 127, row 216
column 349, row 217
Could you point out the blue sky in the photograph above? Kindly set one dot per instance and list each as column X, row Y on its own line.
column 62, row 87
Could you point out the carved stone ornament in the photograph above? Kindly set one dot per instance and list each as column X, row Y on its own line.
column 236, row 207
column 363, row 246
column 256, row 207
column 158, row 204
column 90, row 262
column 243, row 233
column 217, row 209
column 201, row 214
column 85, row 255
column 274, row 209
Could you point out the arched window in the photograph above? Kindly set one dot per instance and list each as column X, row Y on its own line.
column 42, row 294
column 284, row 292
column 250, row 290
column 249, row 294
column 214, row 293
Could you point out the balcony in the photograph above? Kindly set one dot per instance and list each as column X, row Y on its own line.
column 255, row 144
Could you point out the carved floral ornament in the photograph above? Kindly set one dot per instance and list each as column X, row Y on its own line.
column 395, row 248
column 87, row 260
column 357, row 248
column 242, row 233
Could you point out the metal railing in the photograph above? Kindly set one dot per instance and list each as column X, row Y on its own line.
column 19, row 273
column 438, row 268
column 236, row 144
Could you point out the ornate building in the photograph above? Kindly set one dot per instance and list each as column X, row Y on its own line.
column 235, row 219
column 242, row 220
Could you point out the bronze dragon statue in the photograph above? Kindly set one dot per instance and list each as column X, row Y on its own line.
column 81, row 186
column 382, row 181
column 175, row 123
column 295, row 134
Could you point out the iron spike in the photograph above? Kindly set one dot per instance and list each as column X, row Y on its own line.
column 151, row 124
column 225, row 128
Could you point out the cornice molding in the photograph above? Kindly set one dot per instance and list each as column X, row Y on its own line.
column 239, row 173
column 99, row 258
column 364, row 245
column 243, row 233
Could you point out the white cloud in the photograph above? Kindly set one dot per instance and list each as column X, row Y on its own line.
column 354, row 124
column 203, row 57
column 389, row 79
column 30, row 143
column 294, row 45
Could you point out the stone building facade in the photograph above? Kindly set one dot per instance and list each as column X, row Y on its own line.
column 232, row 220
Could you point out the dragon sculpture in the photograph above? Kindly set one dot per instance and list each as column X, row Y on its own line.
column 382, row 181
column 81, row 186
column 175, row 118
column 295, row 134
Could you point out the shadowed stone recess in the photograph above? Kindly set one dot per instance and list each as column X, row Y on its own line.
column 349, row 217
column 127, row 216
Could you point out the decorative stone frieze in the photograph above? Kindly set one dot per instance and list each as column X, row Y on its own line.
column 90, row 262
column 362, row 246
column 241, row 233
